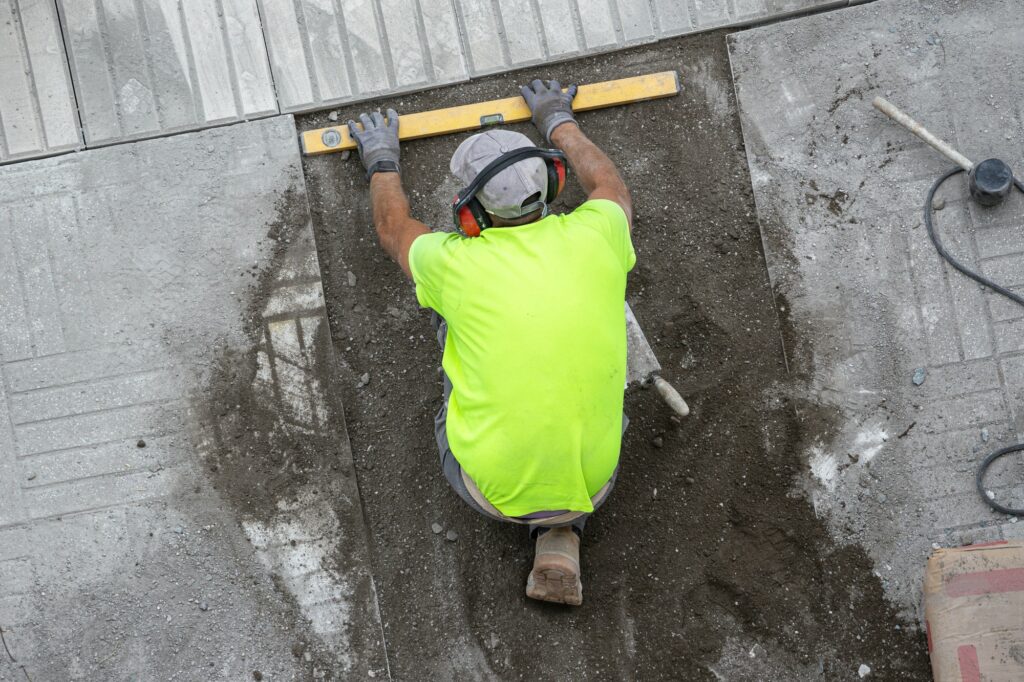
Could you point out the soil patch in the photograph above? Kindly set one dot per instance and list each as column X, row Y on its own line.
column 707, row 537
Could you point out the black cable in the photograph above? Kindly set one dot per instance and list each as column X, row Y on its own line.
column 979, row 478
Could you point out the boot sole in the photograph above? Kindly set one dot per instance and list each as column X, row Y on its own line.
column 555, row 585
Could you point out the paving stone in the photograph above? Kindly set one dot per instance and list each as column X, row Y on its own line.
column 143, row 68
column 559, row 19
column 838, row 189
column 37, row 105
column 134, row 276
column 146, row 68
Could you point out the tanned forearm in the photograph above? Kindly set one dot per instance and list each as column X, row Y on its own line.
column 396, row 229
column 594, row 170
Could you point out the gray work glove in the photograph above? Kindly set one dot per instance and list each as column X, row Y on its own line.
column 549, row 105
column 377, row 142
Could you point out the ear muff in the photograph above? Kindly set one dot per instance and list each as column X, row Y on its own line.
column 470, row 217
column 556, row 178
column 468, row 213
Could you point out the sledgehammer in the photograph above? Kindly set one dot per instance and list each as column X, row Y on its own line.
column 642, row 367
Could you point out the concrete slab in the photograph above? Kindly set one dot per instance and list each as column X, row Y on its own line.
column 863, row 295
column 146, row 68
column 37, row 105
column 177, row 498
column 327, row 52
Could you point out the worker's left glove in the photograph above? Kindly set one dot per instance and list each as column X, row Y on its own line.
column 377, row 142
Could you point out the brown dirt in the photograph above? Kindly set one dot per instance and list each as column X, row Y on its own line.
column 706, row 538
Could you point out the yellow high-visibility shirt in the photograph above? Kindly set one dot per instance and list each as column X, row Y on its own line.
column 536, row 352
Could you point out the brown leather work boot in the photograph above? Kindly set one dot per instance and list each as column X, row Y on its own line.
column 556, row 568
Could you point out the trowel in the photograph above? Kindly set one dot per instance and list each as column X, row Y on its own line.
column 642, row 367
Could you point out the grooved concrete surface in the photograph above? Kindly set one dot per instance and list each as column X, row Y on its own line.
column 144, row 68
column 164, row 356
column 37, row 105
column 839, row 193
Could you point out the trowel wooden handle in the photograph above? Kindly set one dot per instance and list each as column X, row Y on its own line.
column 671, row 396
column 942, row 147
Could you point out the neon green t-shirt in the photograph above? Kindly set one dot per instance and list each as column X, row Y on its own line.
column 536, row 352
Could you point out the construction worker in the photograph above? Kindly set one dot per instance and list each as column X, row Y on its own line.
column 528, row 307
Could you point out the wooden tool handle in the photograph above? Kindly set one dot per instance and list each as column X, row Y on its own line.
column 671, row 396
column 893, row 112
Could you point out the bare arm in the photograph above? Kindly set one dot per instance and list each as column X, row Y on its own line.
column 596, row 172
column 396, row 229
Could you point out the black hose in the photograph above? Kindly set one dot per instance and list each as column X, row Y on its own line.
column 981, row 279
column 979, row 478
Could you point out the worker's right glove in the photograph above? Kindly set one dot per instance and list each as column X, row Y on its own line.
column 377, row 142
column 549, row 105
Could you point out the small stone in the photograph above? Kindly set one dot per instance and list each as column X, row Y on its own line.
column 32, row 476
column 203, row 606
column 351, row 278
column 864, row 670
column 333, row 116
column 654, row 494
column 364, row 379
column 658, row 442
column 257, row 675
column 991, row 495
column 394, row 312
column 984, row 435
column 938, row 203
column 919, row 376
column 140, row 444
column 179, row 530
column 689, row 480
column 451, row 536
column 436, row 527
column 881, row 498
column 307, row 657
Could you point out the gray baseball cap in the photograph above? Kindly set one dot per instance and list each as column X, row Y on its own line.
column 505, row 195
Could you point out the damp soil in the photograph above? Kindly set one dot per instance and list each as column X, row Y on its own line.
column 707, row 538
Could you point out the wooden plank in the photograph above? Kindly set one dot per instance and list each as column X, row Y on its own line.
column 510, row 109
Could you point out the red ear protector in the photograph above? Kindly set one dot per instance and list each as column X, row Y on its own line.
column 469, row 214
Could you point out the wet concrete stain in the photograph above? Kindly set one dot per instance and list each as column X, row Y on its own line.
column 272, row 435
